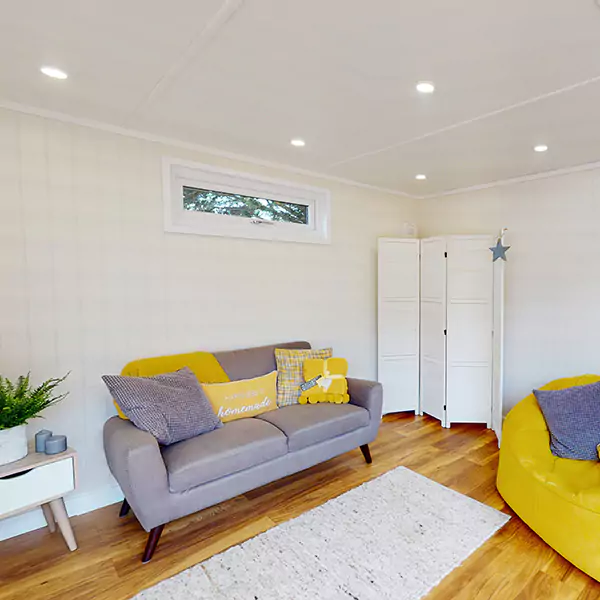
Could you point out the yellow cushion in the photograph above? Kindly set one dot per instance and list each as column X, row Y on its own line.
column 203, row 364
column 331, row 385
column 558, row 498
column 243, row 398
column 290, row 372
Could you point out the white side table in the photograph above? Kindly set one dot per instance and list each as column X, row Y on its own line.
column 40, row 480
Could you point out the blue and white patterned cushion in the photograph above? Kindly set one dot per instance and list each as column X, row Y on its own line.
column 573, row 419
column 172, row 407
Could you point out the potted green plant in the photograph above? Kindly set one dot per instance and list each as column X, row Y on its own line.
column 20, row 402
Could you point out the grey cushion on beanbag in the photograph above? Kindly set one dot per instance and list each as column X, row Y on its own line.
column 573, row 419
column 172, row 407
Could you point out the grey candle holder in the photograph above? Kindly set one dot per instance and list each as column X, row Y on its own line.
column 56, row 444
column 40, row 440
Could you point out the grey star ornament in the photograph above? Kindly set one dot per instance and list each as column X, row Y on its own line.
column 499, row 251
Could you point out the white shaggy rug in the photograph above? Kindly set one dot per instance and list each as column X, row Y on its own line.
column 395, row 537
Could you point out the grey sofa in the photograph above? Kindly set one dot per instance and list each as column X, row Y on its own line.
column 162, row 484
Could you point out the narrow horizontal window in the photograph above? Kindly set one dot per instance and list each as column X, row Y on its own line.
column 238, row 205
column 205, row 200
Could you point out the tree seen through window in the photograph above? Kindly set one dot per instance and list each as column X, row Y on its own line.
column 237, row 205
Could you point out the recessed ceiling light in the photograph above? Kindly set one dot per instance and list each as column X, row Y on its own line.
column 420, row 177
column 425, row 87
column 298, row 143
column 540, row 148
column 54, row 72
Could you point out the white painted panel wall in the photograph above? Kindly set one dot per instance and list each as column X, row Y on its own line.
column 90, row 281
column 552, row 288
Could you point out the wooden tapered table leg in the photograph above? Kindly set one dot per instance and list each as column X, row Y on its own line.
column 62, row 518
column 49, row 517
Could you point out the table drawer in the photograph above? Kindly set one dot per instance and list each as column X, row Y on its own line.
column 36, row 486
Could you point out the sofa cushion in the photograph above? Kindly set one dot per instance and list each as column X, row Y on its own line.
column 236, row 446
column 573, row 419
column 308, row 424
column 205, row 366
column 172, row 406
column 290, row 373
column 253, row 362
column 243, row 398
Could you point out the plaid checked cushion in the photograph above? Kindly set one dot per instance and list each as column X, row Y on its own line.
column 290, row 372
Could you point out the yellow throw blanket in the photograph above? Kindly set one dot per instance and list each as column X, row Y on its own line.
column 331, row 385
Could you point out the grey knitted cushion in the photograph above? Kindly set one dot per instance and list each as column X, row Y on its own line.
column 573, row 419
column 172, row 407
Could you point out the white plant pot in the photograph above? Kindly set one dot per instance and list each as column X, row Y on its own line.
column 13, row 444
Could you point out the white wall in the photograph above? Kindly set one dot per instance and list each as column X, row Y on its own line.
column 552, row 306
column 89, row 280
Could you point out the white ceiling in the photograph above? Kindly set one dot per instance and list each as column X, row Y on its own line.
column 246, row 76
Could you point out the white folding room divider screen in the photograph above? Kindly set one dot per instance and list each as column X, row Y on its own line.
column 449, row 290
column 433, row 326
column 398, row 323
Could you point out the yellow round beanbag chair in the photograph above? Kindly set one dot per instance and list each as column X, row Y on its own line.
column 558, row 498
column 325, row 381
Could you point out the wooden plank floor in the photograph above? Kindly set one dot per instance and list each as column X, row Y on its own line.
column 514, row 564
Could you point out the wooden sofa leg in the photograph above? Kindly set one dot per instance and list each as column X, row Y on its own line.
column 152, row 542
column 366, row 453
column 124, row 508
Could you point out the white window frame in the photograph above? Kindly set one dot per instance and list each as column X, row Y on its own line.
column 178, row 173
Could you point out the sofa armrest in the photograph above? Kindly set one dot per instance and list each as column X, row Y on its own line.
column 367, row 394
column 135, row 460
